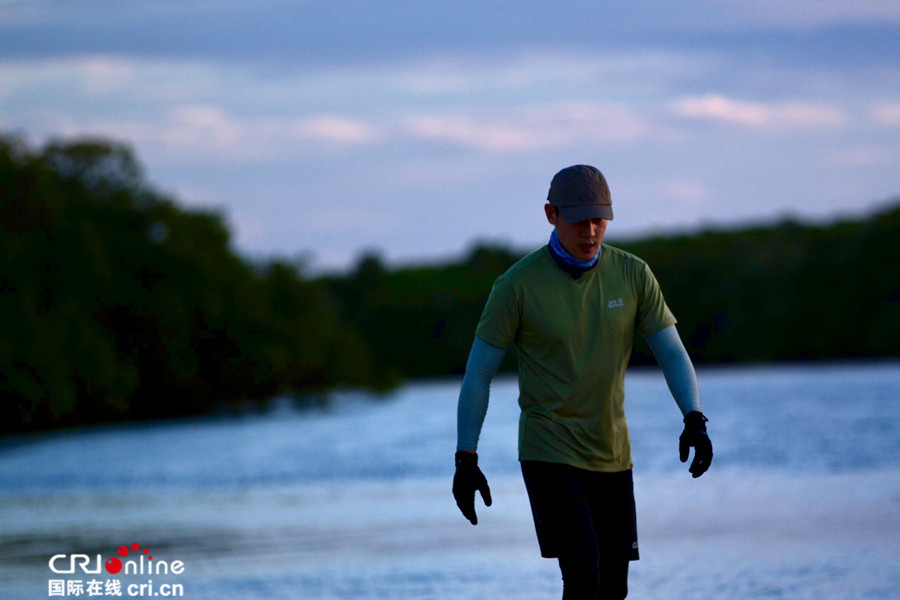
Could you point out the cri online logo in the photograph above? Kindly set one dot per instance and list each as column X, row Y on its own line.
column 114, row 564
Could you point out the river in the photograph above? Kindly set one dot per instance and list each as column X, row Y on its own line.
column 353, row 501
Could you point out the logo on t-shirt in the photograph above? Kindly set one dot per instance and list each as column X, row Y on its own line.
column 615, row 303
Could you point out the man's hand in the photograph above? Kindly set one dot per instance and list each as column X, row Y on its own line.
column 694, row 436
column 467, row 479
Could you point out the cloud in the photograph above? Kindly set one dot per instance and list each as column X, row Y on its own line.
column 315, row 32
column 104, row 75
column 181, row 132
column 106, row 83
column 336, row 129
column 718, row 108
column 211, row 130
column 203, row 132
column 527, row 129
column 686, row 192
column 92, row 76
column 201, row 125
column 887, row 113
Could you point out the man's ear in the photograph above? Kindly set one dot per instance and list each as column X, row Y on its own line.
column 551, row 214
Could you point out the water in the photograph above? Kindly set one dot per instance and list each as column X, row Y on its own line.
column 802, row 500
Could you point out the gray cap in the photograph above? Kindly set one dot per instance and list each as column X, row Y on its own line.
column 580, row 192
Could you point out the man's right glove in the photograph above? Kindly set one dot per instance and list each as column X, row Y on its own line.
column 467, row 479
column 694, row 435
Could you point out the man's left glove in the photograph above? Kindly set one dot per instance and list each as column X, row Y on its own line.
column 694, row 436
column 466, row 481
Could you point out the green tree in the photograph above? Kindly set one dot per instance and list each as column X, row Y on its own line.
column 124, row 306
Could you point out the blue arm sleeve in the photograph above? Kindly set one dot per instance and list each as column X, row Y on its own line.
column 484, row 362
column 676, row 367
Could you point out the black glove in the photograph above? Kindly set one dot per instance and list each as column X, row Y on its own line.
column 467, row 479
column 694, row 435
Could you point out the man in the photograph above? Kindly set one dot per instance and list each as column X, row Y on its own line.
column 571, row 309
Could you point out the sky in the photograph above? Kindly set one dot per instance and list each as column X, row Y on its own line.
column 323, row 130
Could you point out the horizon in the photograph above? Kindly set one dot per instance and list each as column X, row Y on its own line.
column 689, row 231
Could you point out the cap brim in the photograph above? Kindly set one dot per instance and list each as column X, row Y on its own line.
column 573, row 214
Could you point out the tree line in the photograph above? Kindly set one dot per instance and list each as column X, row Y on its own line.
column 786, row 292
column 119, row 304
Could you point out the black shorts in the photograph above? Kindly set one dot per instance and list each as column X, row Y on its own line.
column 575, row 509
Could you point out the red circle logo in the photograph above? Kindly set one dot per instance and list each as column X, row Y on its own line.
column 113, row 565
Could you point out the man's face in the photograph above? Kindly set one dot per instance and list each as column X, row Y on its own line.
column 581, row 239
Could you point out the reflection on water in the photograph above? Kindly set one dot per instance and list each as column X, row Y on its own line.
column 802, row 501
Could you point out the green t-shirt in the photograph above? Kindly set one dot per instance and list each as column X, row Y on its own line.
column 573, row 339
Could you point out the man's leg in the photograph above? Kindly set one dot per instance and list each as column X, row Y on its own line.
column 612, row 507
column 613, row 579
column 581, row 572
column 565, row 526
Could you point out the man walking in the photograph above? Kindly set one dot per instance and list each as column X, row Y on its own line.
column 571, row 309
